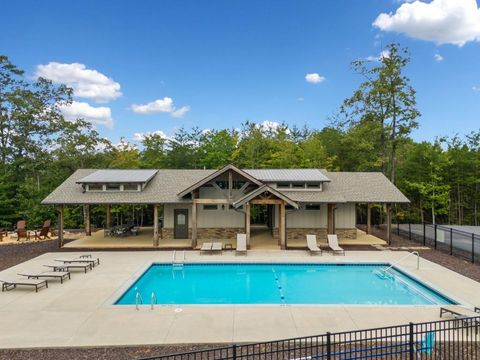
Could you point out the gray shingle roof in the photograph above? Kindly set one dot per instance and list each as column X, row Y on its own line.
column 274, row 175
column 359, row 187
column 119, row 176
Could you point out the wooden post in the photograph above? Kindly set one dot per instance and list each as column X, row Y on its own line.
column 194, row 224
column 60, row 225
column 389, row 224
column 86, row 220
column 155, row 225
column 331, row 219
column 369, row 218
column 247, row 223
column 281, row 226
column 108, row 218
column 230, row 185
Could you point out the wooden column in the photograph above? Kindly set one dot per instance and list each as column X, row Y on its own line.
column 247, row 223
column 369, row 218
column 331, row 219
column 389, row 224
column 108, row 217
column 155, row 225
column 87, row 220
column 194, row 224
column 60, row 225
column 281, row 225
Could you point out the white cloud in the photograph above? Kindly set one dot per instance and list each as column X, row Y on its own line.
column 438, row 57
column 476, row 88
column 164, row 105
column 314, row 78
column 441, row 21
column 384, row 54
column 96, row 115
column 140, row 136
column 300, row 99
column 271, row 126
column 86, row 83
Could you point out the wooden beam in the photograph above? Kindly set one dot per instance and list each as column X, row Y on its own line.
column 330, row 218
column 247, row 223
column 230, row 184
column 267, row 201
column 281, row 226
column 369, row 218
column 389, row 224
column 211, row 201
column 108, row 216
column 87, row 220
column 60, row 225
column 155, row 225
column 244, row 186
column 194, row 225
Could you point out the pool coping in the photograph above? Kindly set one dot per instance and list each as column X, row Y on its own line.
column 110, row 302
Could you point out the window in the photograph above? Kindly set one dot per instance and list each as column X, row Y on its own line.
column 313, row 185
column 312, row 207
column 112, row 187
column 222, row 184
column 283, row 185
column 130, row 187
column 210, row 207
column 298, row 185
column 95, row 187
column 237, row 184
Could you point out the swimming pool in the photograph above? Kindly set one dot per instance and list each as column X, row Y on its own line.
column 280, row 284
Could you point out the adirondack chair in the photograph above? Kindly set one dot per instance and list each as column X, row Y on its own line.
column 43, row 232
column 22, row 231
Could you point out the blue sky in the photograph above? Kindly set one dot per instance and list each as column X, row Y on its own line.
column 216, row 64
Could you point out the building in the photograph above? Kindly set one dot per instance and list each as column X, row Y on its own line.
column 216, row 204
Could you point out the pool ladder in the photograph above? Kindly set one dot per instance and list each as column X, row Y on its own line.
column 179, row 262
column 139, row 300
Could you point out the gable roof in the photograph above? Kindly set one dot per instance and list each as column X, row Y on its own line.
column 261, row 190
column 274, row 175
column 217, row 173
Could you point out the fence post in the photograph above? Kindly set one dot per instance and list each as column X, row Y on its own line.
column 329, row 346
column 473, row 248
column 411, row 341
column 409, row 230
column 451, row 241
column 424, row 234
column 234, row 348
column 435, row 235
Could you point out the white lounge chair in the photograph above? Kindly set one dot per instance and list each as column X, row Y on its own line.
column 241, row 244
column 61, row 275
column 459, row 311
column 206, row 247
column 68, row 266
column 13, row 283
column 333, row 244
column 312, row 245
column 82, row 259
column 217, row 246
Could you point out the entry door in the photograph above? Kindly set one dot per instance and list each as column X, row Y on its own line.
column 180, row 230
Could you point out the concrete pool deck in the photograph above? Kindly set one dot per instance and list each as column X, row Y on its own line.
column 80, row 311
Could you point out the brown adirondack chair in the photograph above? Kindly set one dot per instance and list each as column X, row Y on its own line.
column 22, row 231
column 43, row 232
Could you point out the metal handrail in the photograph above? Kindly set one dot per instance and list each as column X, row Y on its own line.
column 138, row 299
column 153, row 300
column 174, row 256
column 403, row 258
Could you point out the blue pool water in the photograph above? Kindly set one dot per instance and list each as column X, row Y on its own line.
column 280, row 284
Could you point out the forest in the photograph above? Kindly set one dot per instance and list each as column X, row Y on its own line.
column 370, row 131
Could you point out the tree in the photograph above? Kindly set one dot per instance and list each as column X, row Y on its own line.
column 387, row 98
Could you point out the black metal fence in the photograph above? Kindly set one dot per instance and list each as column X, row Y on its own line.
column 446, row 339
column 442, row 237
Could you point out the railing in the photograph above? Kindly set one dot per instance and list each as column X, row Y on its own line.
column 443, row 238
column 447, row 339
column 153, row 300
column 174, row 258
column 403, row 258
column 138, row 299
